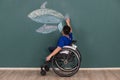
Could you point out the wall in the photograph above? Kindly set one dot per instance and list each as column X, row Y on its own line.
column 96, row 27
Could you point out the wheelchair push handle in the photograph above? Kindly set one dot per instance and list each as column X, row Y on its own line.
column 74, row 41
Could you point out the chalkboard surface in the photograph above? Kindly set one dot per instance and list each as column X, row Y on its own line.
column 96, row 27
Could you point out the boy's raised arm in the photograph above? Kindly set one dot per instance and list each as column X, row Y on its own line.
column 68, row 23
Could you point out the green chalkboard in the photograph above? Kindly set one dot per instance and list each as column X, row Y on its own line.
column 96, row 27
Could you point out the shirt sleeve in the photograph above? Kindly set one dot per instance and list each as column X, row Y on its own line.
column 60, row 42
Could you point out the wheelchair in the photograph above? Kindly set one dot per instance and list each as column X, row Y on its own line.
column 66, row 63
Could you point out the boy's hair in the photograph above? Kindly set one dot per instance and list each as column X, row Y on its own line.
column 66, row 30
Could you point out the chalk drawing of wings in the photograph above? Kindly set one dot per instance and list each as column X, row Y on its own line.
column 47, row 17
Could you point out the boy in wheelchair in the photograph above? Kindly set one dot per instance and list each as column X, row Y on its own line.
column 65, row 58
column 64, row 40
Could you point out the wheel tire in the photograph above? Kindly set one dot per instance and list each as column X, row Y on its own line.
column 43, row 72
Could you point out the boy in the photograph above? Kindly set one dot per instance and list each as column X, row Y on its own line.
column 64, row 40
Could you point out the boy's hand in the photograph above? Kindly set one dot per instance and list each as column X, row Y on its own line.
column 48, row 58
column 68, row 21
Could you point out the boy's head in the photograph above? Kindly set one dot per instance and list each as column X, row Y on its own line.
column 66, row 30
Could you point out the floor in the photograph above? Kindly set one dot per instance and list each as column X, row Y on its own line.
column 81, row 75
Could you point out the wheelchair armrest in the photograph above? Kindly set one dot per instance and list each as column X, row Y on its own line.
column 70, row 47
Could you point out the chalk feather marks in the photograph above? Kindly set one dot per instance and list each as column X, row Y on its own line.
column 51, row 19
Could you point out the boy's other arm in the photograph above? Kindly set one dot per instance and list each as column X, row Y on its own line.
column 53, row 53
column 68, row 23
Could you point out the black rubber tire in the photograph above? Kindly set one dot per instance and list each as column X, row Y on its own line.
column 43, row 72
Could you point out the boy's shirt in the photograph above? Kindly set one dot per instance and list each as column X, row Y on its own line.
column 64, row 41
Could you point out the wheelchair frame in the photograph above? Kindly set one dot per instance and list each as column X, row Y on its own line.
column 57, row 62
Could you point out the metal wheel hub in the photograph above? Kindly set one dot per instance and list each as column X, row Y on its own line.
column 66, row 62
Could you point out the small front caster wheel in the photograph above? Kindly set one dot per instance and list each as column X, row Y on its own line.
column 43, row 72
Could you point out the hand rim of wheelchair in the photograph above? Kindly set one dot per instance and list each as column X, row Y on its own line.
column 68, row 72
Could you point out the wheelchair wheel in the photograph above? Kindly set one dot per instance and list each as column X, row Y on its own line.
column 66, row 64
